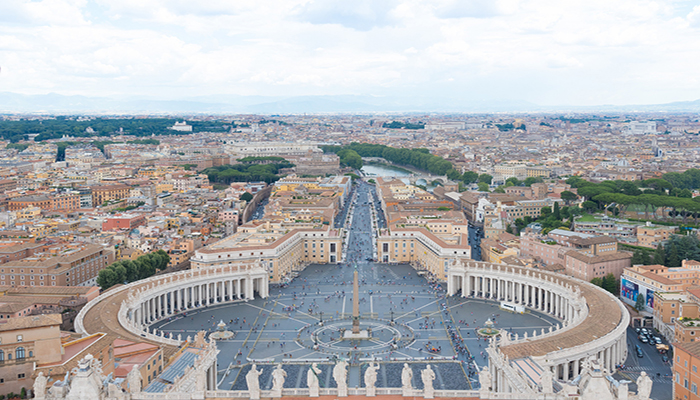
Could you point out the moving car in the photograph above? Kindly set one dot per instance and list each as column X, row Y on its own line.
column 643, row 339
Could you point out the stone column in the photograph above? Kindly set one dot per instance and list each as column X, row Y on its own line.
column 229, row 283
column 249, row 288
column 238, row 288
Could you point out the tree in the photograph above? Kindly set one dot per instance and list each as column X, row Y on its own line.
column 483, row 187
column 638, row 258
column 673, row 260
column 639, row 304
column 589, row 206
column 556, row 212
column 470, row 177
column 106, row 278
column 545, row 212
column 597, row 281
column 568, row 196
column 485, row 178
column 513, row 181
column 246, row 197
column 532, row 179
column 610, row 284
column 659, row 255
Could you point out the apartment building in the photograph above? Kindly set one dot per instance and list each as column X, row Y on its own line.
column 652, row 235
column 25, row 342
column 282, row 248
column 74, row 264
column 686, row 361
column 101, row 194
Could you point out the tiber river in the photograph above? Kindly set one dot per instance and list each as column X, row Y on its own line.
column 388, row 170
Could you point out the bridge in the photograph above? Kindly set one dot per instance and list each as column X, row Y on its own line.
column 415, row 178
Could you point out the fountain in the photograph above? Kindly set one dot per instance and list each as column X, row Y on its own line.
column 488, row 330
column 221, row 332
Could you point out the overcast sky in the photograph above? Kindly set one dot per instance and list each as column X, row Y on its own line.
column 554, row 52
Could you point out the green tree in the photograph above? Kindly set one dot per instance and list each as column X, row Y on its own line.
column 597, row 281
column 589, row 206
column 638, row 257
column 532, row 179
column 545, row 212
column 483, row 187
column 673, row 260
column 246, row 197
column 513, row 181
column 470, row 177
column 660, row 255
column 568, row 196
column 106, row 278
column 485, row 178
column 556, row 212
column 610, row 284
column 639, row 304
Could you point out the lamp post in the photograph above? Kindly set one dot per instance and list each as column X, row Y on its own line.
column 392, row 317
column 321, row 321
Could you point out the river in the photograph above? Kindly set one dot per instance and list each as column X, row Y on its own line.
column 388, row 170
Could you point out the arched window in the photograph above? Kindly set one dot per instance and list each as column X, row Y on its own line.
column 19, row 353
column 2, row 355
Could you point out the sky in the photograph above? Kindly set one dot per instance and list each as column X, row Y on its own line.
column 573, row 52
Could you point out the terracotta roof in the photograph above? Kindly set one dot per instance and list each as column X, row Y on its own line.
column 620, row 255
column 32, row 321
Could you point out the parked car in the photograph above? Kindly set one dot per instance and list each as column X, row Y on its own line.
column 637, row 330
column 658, row 340
column 644, row 331
column 643, row 339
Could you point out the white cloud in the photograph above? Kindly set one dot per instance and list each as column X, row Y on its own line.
column 634, row 49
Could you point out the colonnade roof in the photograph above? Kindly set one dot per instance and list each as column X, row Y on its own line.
column 102, row 317
column 604, row 315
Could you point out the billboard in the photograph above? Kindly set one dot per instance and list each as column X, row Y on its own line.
column 629, row 289
column 650, row 299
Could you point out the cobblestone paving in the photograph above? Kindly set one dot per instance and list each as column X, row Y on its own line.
column 281, row 328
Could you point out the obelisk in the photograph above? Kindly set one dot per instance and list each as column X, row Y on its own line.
column 355, row 304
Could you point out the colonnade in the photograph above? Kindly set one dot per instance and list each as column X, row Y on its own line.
column 533, row 295
column 554, row 294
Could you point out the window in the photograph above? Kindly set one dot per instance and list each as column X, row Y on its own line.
column 20, row 376
column 694, row 388
column 19, row 353
column 2, row 355
column 19, row 338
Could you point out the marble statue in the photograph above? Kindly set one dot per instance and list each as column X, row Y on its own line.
column 39, row 387
column 199, row 340
column 278, row 375
column 133, row 379
column 312, row 379
column 407, row 380
column 340, row 375
column 427, row 376
column 371, row 379
column 485, row 379
column 643, row 386
column 252, row 379
column 546, row 380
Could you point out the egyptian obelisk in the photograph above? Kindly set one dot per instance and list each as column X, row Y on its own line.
column 355, row 304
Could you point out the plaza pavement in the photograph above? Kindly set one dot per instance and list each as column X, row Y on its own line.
column 280, row 328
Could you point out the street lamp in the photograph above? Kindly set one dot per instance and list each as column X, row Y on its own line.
column 392, row 317
column 321, row 321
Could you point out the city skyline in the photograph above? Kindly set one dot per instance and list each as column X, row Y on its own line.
column 517, row 52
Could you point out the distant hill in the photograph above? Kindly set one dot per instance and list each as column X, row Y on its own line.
column 224, row 104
